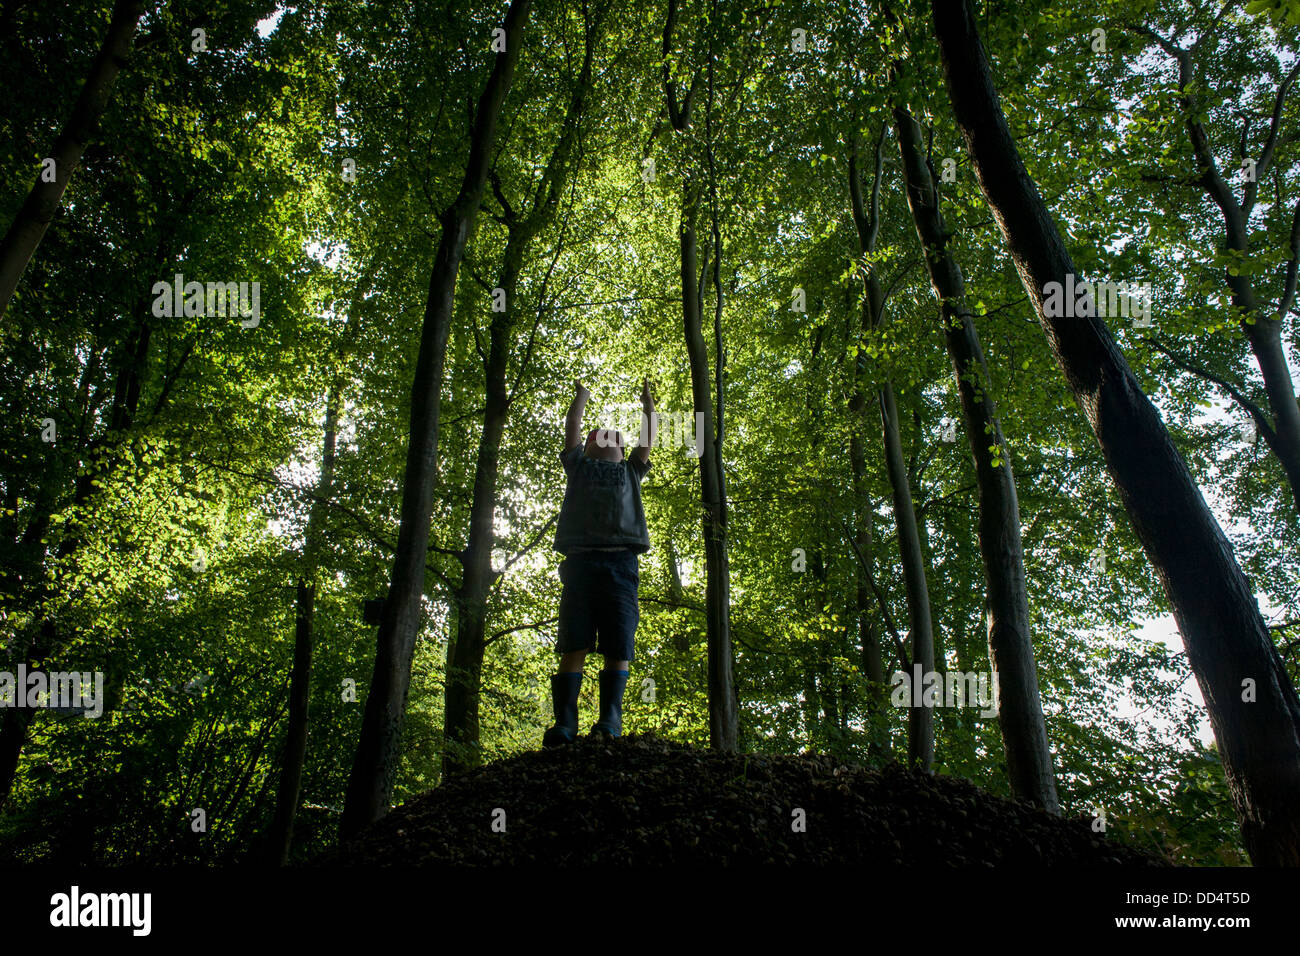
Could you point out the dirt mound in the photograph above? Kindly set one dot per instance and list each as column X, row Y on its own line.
column 645, row 801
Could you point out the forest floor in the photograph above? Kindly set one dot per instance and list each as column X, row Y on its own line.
column 645, row 801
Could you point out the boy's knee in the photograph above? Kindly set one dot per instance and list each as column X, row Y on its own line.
column 572, row 661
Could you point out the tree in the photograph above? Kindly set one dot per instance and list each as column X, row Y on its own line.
column 866, row 218
column 723, row 715
column 42, row 202
column 1227, row 642
column 1010, row 642
column 370, row 784
column 1262, row 327
column 523, row 224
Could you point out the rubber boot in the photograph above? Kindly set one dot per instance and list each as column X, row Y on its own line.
column 612, row 684
column 564, row 701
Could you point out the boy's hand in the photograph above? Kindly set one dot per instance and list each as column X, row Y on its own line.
column 642, row 451
column 580, row 390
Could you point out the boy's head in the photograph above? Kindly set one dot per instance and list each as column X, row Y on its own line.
column 605, row 444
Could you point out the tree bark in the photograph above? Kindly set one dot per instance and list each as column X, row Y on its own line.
column 370, row 785
column 920, row 720
column 42, row 202
column 723, row 717
column 1010, row 642
column 1228, row 644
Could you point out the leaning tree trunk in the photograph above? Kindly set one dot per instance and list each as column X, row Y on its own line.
column 42, row 202
column 1252, row 704
column 370, row 785
column 920, row 719
column 1011, row 645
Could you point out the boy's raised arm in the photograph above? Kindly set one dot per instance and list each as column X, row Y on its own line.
column 573, row 420
column 642, row 450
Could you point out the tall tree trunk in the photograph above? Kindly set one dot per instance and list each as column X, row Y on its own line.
column 723, row 704
column 465, row 668
column 370, row 785
column 723, row 717
column 920, row 720
column 295, row 746
column 920, row 724
column 42, row 202
column 1252, row 705
column 868, row 634
column 1011, row 646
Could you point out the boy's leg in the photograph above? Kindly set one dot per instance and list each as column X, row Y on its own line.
column 617, row 632
column 577, row 634
column 576, row 630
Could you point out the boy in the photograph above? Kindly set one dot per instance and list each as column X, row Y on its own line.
column 601, row 531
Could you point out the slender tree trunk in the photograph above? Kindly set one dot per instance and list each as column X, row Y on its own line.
column 42, row 202
column 1265, row 337
column 725, row 732
column 722, row 707
column 920, row 720
column 461, row 714
column 370, row 785
column 464, row 673
column 873, row 665
column 1252, row 704
column 289, row 793
column 868, row 636
column 723, row 703
column 920, row 724
column 1011, row 646
column 1264, row 333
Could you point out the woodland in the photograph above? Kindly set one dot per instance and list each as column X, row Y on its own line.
column 972, row 325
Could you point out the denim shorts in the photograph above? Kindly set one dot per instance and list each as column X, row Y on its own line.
column 598, row 605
